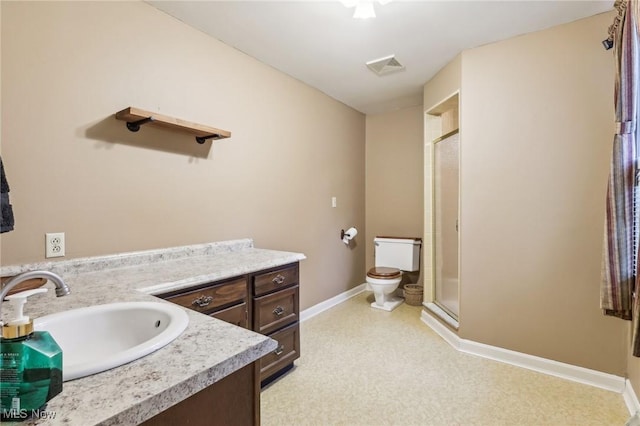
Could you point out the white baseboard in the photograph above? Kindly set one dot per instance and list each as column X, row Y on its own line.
column 441, row 314
column 542, row 365
column 449, row 336
column 630, row 398
column 330, row 303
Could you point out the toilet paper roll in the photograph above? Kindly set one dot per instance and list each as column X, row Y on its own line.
column 349, row 234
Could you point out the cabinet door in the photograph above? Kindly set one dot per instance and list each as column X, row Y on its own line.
column 236, row 315
column 275, row 310
column 234, row 400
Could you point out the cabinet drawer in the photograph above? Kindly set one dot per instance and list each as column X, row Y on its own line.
column 275, row 310
column 275, row 280
column 287, row 351
column 208, row 299
column 236, row 315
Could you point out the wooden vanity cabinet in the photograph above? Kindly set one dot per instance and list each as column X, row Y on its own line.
column 266, row 301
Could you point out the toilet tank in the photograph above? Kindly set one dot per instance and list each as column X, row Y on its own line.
column 401, row 253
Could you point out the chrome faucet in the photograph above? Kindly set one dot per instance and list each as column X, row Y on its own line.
column 62, row 289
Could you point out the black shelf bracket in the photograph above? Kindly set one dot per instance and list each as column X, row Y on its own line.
column 203, row 139
column 134, row 126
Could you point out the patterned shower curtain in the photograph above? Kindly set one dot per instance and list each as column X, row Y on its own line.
column 618, row 289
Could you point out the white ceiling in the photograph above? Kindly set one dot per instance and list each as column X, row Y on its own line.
column 319, row 43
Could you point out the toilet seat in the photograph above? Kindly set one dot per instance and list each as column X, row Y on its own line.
column 384, row 273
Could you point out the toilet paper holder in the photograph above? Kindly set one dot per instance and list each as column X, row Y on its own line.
column 348, row 235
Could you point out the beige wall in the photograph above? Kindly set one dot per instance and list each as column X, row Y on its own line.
column 537, row 123
column 394, row 177
column 443, row 85
column 67, row 67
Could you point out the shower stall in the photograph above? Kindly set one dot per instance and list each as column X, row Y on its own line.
column 442, row 207
column 446, row 150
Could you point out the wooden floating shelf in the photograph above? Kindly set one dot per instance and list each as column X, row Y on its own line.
column 136, row 117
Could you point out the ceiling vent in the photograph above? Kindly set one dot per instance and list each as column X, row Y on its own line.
column 385, row 65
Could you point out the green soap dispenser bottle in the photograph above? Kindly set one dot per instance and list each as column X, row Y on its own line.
column 30, row 364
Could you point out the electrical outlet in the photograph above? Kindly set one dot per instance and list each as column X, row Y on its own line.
column 54, row 244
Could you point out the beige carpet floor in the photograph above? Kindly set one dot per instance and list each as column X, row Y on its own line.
column 361, row 366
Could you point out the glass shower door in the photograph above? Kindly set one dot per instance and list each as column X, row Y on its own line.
column 445, row 221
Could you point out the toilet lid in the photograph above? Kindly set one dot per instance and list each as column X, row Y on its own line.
column 382, row 272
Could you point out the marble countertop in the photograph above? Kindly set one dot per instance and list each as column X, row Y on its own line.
column 207, row 351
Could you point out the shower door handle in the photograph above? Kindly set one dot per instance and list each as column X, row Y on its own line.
column 456, row 225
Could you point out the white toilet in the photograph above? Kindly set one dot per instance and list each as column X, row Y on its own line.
column 392, row 256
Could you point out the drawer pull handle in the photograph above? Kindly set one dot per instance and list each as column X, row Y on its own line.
column 202, row 301
column 279, row 350
column 278, row 311
column 278, row 279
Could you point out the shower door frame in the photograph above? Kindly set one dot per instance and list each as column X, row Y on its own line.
column 430, row 300
column 435, row 282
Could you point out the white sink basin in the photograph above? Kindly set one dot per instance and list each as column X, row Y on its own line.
column 97, row 338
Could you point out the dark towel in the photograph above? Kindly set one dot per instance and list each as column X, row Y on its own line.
column 6, row 210
column 4, row 185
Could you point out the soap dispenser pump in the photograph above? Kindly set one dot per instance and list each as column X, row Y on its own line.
column 30, row 363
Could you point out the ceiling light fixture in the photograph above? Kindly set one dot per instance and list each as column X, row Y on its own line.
column 363, row 8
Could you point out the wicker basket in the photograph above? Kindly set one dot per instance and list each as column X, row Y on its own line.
column 413, row 294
